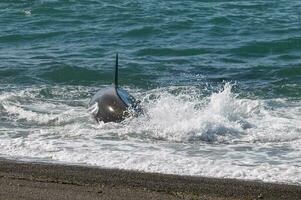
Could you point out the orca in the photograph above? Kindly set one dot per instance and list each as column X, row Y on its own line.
column 114, row 104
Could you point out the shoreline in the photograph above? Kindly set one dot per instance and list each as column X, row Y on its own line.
column 24, row 180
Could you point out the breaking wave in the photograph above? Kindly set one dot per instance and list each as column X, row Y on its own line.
column 185, row 130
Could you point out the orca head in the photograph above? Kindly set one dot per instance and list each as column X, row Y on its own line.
column 114, row 104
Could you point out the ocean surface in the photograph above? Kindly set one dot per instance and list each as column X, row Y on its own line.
column 220, row 83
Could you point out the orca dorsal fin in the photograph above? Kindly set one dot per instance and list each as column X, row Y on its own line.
column 116, row 72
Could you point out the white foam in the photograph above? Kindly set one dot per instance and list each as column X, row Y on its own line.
column 27, row 12
column 182, row 132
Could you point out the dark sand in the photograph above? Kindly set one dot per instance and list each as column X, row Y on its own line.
column 49, row 181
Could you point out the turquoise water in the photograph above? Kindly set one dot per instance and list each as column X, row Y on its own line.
column 256, row 43
column 220, row 81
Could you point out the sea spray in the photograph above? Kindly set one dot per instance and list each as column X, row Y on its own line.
column 185, row 130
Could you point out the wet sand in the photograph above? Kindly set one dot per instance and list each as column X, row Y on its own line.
column 19, row 180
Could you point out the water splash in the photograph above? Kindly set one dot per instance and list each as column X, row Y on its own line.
column 216, row 134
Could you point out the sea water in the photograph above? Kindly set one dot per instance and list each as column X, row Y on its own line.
column 219, row 81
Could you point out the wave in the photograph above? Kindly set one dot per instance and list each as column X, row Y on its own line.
column 170, row 52
column 63, row 73
column 269, row 47
column 216, row 134
column 178, row 114
column 142, row 32
column 26, row 38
